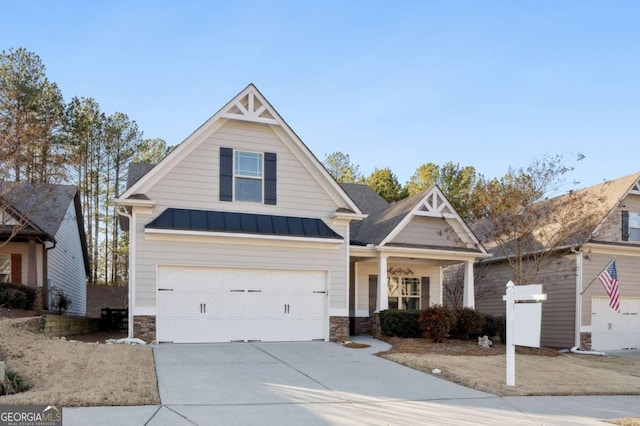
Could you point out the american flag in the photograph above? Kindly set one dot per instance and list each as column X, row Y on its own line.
column 609, row 280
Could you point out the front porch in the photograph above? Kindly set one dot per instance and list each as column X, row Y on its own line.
column 400, row 279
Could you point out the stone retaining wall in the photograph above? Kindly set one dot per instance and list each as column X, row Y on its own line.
column 63, row 325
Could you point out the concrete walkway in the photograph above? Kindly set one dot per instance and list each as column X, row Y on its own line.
column 323, row 383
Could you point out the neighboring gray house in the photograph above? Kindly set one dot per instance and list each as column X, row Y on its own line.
column 241, row 234
column 46, row 246
column 577, row 312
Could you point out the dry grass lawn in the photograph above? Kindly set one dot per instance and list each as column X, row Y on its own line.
column 75, row 373
column 538, row 372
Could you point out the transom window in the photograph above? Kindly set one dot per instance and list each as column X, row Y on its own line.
column 5, row 268
column 634, row 226
column 404, row 292
column 247, row 176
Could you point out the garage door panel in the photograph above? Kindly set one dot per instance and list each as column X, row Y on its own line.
column 611, row 330
column 241, row 304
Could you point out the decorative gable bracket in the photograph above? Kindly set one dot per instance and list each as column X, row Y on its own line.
column 434, row 205
column 635, row 189
column 250, row 108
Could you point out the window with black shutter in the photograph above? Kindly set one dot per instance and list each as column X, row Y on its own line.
column 248, row 176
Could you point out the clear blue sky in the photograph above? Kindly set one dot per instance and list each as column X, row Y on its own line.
column 484, row 83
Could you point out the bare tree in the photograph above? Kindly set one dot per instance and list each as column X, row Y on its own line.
column 518, row 224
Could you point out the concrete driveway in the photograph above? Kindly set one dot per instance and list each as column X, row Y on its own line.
column 323, row 383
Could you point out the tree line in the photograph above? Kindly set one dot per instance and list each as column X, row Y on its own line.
column 44, row 139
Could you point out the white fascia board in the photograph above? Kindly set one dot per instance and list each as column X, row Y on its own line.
column 620, row 250
column 134, row 202
column 320, row 174
column 348, row 216
column 415, row 253
column 174, row 157
column 249, row 238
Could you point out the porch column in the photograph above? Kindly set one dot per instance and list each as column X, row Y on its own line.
column 32, row 269
column 382, row 304
column 468, row 297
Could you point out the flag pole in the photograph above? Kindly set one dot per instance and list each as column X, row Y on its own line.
column 596, row 277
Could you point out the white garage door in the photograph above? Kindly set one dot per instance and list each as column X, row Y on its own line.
column 611, row 330
column 197, row 305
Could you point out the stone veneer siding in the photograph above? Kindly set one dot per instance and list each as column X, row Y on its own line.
column 339, row 329
column 362, row 325
column 585, row 341
column 376, row 327
column 144, row 327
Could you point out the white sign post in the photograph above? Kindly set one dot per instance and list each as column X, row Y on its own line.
column 523, row 321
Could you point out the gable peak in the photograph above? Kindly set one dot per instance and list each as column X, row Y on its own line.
column 435, row 204
column 250, row 105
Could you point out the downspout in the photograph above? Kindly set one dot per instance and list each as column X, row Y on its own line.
column 122, row 211
column 45, row 271
column 578, row 313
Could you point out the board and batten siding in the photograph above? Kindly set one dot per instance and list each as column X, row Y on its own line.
column 194, row 182
column 558, row 279
column 628, row 268
column 66, row 263
column 428, row 231
column 611, row 229
column 193, row 252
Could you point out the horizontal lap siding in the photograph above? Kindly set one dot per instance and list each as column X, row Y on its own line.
column 558, row 311
column 194, row 182
column 628, row 268
column 66, row 263
column 428, row 231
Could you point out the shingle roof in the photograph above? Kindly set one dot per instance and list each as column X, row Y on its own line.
column 136, row 170
column 244, row 223
column 383, row 217
column 43, row 204
column 599, row 201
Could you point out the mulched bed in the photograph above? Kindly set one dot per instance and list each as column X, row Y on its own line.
column 97, row 336
column 16, row 313
column 457, row 347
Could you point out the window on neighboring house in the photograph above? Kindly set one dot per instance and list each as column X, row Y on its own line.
column 5, row 268
column 634, row 226
column 404, row 292
column 247, row 176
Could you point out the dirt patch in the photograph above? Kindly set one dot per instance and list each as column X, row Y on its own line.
column 76, row 373
column 16, row 313
column 538, row 371
column 354, row 345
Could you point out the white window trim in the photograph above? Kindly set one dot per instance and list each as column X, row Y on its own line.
column 236, row 175
column 8, row 273
column 399, row 290
column 634, row 223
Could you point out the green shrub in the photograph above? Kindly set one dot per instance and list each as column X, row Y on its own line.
column 468, row 323
column 400, row 323
column 491, row 326
column 436, row 322
column 14, row 383
column 17, row 296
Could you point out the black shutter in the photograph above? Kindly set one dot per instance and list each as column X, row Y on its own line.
column 226, row 174
column 424, row 292
column 373, row 294
column 270, row 189
column 625, row 226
